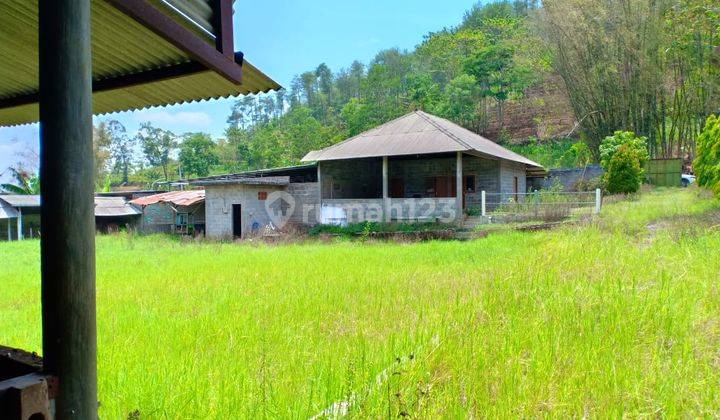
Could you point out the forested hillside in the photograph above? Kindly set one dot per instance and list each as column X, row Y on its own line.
column 540, row 78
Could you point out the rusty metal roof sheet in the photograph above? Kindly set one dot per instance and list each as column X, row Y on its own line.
column 114, row 207
column 178, row 198
column 21, row 201
column 416, row 133
column 121, row 46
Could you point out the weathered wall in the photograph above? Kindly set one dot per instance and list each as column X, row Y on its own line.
column 486, row 172
column 157, row 218
column 354, row 178
column 219, row 200
column 307, row 201
column 358, row 210
column 568, row 177
column 423, row 209
column 508, row 172
column 415, row 173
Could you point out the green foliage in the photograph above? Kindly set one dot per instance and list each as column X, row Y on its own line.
column 624, row 173
column 157, row 144
column 611, row 144
column 197, row 154
column 366, row 228
column 550, row 154
column 707, row 160
column 26, row 183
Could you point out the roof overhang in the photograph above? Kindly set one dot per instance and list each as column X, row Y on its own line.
column 279, row 181
column 145, row 53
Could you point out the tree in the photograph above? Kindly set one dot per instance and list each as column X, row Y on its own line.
column 26, row 182
column 611, row 144
column 121, row 148
column 197, row 154
column 624, row 173
column 707, row 162
column 101, row 152
column 157, row 145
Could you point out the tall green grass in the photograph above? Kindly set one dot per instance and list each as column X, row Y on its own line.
column 604, row 320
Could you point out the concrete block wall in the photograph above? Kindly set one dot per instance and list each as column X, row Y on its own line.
column 351, row 178
column 508, row 171
column 219, row 202
column 359, row 210
column 415, row 173
column 307, row 202
column 486, row 171
column 422, row 209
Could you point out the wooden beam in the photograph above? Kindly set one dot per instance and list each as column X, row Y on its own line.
column 223, row 26
column 182, row 38
column 125, row 81
column 67, row 246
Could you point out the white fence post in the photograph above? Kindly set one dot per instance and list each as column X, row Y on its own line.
column 598, row 200
column 482, row 202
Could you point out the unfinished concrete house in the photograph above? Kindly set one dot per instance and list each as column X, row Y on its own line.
column 418, row 167
column 176, row 212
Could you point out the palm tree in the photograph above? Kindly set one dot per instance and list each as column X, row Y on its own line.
column 27, row 183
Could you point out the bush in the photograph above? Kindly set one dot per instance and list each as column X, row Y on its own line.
column 612, row 144
column 707, row 160
column 624, row 173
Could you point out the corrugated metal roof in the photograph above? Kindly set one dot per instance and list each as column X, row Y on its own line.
column 417, row 133
column 178, row 198
column 120, row 46
column 114, row 207
column 21, row 201
column 269, row 180
column 7, row 211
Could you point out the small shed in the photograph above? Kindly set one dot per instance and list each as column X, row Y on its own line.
column 179, row 212
column 115, row 213
column 238, row 207
column 27, row 219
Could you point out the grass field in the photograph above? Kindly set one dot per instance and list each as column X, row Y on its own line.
column 620, row 317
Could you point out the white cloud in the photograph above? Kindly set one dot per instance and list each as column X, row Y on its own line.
column 164, row 118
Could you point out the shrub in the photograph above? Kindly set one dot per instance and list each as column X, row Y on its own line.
column 707, row 160
column 624, row 174
column 612, row 144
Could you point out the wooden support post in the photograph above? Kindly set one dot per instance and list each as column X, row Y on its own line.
column 19, row 225
column 67, row 246
column 386, row 196
column 459, row 187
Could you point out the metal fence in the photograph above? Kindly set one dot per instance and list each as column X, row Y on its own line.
column 538, row 205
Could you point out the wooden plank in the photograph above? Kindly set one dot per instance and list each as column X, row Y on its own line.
column 67, row 247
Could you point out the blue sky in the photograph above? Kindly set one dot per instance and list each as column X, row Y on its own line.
column 284, row 38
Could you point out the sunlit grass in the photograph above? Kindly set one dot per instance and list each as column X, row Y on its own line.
column 603, row 320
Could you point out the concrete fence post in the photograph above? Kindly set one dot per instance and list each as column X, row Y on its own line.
column 19, row 225
column 598, row 200
column 482, row 202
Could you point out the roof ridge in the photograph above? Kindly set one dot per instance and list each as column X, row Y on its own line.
column 332, row 146
column 444, row 130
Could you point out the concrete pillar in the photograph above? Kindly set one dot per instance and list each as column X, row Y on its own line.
column 459, row 187
column 9, row 226
column 386, row 195
column 482, row 203
column 598, row 200
column 19, row 225
column 67, row 246
column 318, row 212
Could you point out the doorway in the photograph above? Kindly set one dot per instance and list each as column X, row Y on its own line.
column 237, row 220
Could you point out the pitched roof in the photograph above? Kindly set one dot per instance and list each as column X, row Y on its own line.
column 416, row 133
column 7, row 211
column 19, row 200
column 114, row 207
column 125, row 53
column 178, row 198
